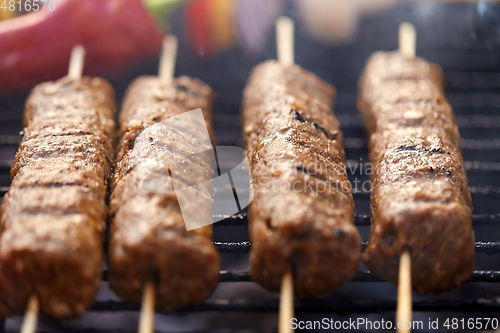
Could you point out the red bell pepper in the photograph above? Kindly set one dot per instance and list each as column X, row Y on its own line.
column 198, row 26
column 36, row 47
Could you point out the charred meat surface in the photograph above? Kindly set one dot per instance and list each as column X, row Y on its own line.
column 53, row 217
column 302, row 214
column 148, row 238
column 420, row 200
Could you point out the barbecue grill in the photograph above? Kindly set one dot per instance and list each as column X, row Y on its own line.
column 463, row 38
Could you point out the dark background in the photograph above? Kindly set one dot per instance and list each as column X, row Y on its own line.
column 463, row 38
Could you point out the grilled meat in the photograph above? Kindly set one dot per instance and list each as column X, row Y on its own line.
column 149, row 240
column 420, row 200
column 302, row 214
column 53, row 217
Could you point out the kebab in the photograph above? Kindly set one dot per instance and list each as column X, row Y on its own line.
column 151, row 253
column 53, row 217
column 301, row 219
column 420, row 201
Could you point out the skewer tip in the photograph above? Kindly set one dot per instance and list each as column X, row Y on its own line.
column 168, row 58
column 407, row 40
column 286, row 311
column 404, row 305
column 146, row 321
column 285, row 40
column 76, row 62
column 31, row 315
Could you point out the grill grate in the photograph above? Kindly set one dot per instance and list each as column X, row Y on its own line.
column 326, row 304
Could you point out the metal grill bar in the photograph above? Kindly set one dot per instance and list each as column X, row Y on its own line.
column 472, row 167
column 360, row 220
column 9, row 140
column 482, row 166
column 473, row 120
column 361, row 276
column 467, row 144
column 486, row 191
column 490, row 248
column 319, row 305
